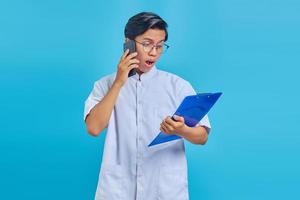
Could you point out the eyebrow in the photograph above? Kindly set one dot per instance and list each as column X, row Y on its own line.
column 152, row 40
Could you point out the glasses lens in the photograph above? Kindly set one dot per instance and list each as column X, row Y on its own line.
column 164, row 48
column 159, row 48
column 147, row 47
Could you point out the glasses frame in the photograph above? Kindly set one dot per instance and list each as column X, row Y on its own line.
column 165, row 47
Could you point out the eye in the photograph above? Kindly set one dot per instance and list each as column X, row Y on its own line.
column 146, row 44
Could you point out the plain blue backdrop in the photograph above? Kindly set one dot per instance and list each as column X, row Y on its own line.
column 51, row 52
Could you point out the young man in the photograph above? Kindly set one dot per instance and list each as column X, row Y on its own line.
column 134, row 110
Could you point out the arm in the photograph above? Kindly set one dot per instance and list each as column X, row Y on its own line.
column 196, row 135
column 99, row 116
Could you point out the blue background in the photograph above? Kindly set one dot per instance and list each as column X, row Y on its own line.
column 51, row 52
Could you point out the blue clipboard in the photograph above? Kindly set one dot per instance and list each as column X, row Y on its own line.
column 193, row 108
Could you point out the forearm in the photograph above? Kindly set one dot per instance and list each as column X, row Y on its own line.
column 99, row 116
column 196, row 135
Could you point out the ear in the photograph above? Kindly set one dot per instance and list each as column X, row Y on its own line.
column 126, row 39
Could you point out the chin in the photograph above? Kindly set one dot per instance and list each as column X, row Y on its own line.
column 145, row 69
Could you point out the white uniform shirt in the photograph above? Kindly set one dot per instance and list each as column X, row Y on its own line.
column 130, row 170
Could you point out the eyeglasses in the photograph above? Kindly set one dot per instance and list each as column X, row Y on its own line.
column 148, row 46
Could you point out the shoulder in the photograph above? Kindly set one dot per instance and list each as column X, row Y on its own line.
column 103, row 84
column 106, row 81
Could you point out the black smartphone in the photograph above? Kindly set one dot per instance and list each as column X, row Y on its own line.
column 130, row 44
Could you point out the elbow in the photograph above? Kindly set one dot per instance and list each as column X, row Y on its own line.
column 93, row 131
column 203, row 139
column 203, row 142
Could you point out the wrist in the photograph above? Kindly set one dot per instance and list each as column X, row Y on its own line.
column 184, row 131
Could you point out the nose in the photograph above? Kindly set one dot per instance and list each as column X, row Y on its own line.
column 153, row 51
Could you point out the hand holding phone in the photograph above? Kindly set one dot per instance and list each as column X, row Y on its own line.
column 127, row 64
column 130, row 44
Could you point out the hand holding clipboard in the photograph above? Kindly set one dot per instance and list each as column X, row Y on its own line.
column 193, row 108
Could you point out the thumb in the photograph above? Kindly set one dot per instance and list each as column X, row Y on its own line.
column 178, row 118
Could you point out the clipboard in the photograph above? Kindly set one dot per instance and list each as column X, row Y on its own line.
column 193, row 108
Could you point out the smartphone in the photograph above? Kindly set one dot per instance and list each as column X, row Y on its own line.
column 130, row 44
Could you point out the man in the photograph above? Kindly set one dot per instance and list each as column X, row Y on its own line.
column 134, row 110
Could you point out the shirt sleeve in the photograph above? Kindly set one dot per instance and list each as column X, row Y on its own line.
column 187, row 90
column 94, row 98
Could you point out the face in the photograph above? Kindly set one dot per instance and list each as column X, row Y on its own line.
column 148, row 59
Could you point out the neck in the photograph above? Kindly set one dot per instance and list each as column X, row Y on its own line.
column 139, row 72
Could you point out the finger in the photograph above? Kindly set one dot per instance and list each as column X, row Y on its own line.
column 170, row 122
column 130, row 56
column 132, row 61
column 126, row 64
column 133, row 66
column 166, row 130
column 167, row 126
column 178, row 118
column 163, row 129
column 125, row 54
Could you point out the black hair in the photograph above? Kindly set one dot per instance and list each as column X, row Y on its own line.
column 141, row 22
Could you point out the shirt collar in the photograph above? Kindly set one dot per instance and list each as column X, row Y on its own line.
column 145, row 76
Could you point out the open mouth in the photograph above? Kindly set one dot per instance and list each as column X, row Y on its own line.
column 149, row 62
